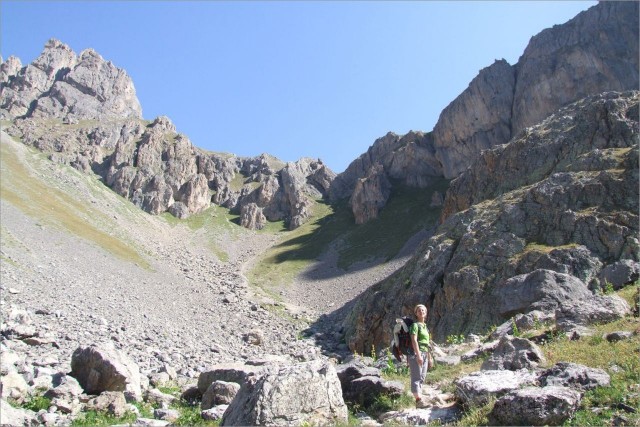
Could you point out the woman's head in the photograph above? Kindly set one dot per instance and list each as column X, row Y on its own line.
column 420, row 308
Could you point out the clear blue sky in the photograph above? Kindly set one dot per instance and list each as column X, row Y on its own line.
column 293, row 79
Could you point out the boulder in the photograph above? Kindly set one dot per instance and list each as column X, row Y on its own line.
column 111, row 402
column 513, row 354
column 104, row 368
column 219, row 393
column 588, row 311
column 166, row 414
column 367, row 389
column 482, row 350
column 10, row 416
column 618, row 336
column 214, row 414
column 478, row 388
column 533, row 406
column 575, row 376
column 159, row 398
column 14, row 386
column 620, row 274
column 228, row 372
column 64, row 386
column 420, row 417
column 305, row 393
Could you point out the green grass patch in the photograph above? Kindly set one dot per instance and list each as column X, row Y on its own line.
column 50, row 205
column 95, row 418
column 406, row 213
column 36, row 403
column 190, row 415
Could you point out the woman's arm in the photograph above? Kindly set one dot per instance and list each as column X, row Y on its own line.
column 416, row 349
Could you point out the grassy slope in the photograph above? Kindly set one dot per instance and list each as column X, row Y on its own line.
column 406, row 213
column 50, row 203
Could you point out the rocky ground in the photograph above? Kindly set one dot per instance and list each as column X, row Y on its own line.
column 187, row 309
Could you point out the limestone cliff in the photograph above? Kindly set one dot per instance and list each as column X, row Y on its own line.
column 550, row 210
column 83, row 111
column 594, row 52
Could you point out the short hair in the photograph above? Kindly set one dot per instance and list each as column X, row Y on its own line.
column 415, row 309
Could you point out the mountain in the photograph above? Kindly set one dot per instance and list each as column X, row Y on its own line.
column 84, row 112
column 594, row 52
column 540, row 220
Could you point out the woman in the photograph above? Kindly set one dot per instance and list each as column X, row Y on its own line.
column 418, row 363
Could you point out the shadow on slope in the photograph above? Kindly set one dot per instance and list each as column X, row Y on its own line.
column 336, row 245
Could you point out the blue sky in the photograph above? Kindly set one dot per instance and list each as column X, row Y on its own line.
column 292, row 79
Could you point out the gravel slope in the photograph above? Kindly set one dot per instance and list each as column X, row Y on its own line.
column 186, row 308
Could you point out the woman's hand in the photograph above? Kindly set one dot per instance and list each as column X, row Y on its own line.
column 419, row 359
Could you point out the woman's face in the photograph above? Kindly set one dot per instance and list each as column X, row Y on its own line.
column 421, row 312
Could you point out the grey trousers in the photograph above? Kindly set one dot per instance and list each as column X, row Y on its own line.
column 418, row 373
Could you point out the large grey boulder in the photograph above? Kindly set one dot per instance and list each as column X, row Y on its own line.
column 365, row 390
column 478, row 388
column 104, row 368
column 533, row 406
column 305, row 393
column 513, row 354
column 111, row 402
column 596, row 309
column 620, row 274
column 575, row 376
column 541, row 290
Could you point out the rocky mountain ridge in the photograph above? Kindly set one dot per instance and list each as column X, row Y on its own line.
column 84, row 112
column 534, row 225
column 594, row 52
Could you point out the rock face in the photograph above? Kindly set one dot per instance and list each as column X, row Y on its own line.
column 547, row 213
column 61, row 84
column 306, row 393
column 513, row 354
column 596, row 51
column 83, row 111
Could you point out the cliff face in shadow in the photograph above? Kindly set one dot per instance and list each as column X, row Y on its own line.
column 596, row 51
column 543, row 216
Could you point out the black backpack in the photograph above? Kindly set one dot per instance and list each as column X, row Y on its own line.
column 401, row 344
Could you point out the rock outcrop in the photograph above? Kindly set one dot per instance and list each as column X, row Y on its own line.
column 566, row 208
column 62, row 85
column 83, row 111
column 305, row 393
column 594, row 52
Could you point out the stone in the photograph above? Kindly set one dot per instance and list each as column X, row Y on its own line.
column 305, row 393
column 365, row 390
column 594, row 310
column 104, row 368
column 480, row 351
column 575, row 376
column 10, row 416
column 111, row 402
column 254, row 337
column 513, row 354
column 150, row 422
column 166, row 414
column 14, row 386
column 620, row 274
column 219, row 393
column 618, row 336
column 425, row 416
column 550, row 405
column 229, row 372
column 370, row 195
column 477, row 388
column 214, row 414
column 64, row 386
column 159, row 398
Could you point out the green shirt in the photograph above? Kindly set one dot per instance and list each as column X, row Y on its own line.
column 420, row 329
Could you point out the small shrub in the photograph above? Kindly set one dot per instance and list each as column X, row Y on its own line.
column 607, row 289
column 95, row 418
column 455, row 339
column 37, row 403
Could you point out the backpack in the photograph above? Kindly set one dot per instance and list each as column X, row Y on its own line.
column 401, row 344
